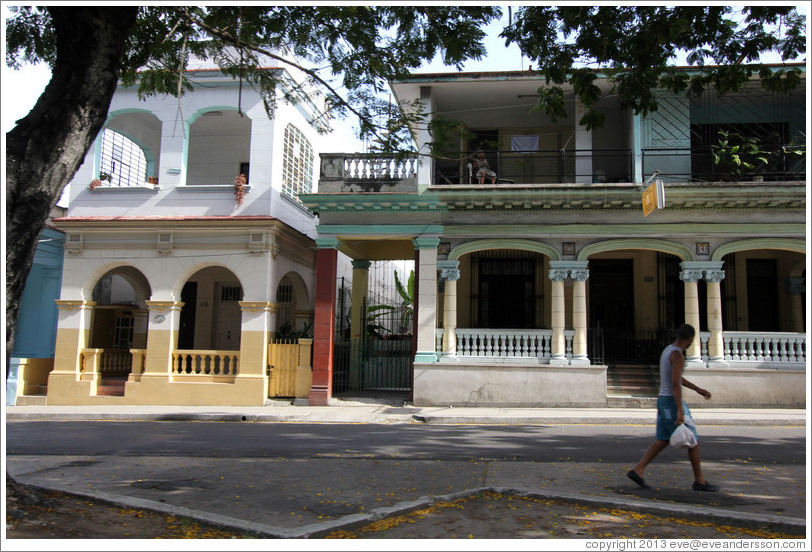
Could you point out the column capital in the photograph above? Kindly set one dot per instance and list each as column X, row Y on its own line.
column 74, row 305
column 426, row 243
column 258, row 306
column 327, row 243
column 361, row 264
column 449, row 270
column 559, row 270
column 450, row 274
column 164, row 305
column 714, row 276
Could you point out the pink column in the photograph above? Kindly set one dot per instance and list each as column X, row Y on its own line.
column 324, row 327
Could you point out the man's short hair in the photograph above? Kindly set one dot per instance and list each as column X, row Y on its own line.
column 686, row 331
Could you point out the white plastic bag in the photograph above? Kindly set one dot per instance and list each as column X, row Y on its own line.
column 683, row 437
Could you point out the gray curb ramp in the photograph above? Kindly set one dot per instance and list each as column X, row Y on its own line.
column 352, row 521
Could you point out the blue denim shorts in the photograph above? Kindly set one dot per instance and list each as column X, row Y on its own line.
column 667, row 415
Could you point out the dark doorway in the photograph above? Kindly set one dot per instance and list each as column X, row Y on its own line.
column 762, row 295
column 611, row 293
column 186, row 331
column 507, row 293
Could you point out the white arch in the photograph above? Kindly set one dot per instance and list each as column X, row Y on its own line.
column 682, row 251
column 506, row 243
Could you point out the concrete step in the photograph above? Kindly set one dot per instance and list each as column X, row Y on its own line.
column 631, row 402
column 31, row 400
column 112, row 387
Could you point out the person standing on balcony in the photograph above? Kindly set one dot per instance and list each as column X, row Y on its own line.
column 672, row 410
column 482, row 167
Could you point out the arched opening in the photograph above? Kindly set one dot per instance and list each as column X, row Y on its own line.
column 211, row 317
column 636, row 300
column 293, row 319
column 119, row 327
column 219, row 148
column 129, row 150
column 120, row 315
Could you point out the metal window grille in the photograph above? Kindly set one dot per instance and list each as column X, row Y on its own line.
column 122, row 160
column 230, row 293
column 297, row 164
column 284, row 294
column 124, row 332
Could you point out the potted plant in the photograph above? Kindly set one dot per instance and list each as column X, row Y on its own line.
column 736, row 155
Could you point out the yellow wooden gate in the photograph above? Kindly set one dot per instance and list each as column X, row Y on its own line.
column 283, row 360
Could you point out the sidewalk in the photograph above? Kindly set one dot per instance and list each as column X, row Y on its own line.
column 377, row 413
column 311, row 497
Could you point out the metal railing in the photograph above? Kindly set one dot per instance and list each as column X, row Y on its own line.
column 539, row 167
column 697, row 165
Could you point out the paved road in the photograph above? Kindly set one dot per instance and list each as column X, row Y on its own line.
column 580, row 443
column 303, row 479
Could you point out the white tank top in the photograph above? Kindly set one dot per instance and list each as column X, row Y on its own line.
column 666, row 389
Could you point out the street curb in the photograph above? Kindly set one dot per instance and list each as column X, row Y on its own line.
column 535, row 420
column 427, row 419
column 352, row 521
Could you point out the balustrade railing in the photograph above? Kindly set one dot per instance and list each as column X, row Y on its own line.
column 375, row 166
column 205, row 363
column 504, row 343
column 767, row 347
column 772, row 348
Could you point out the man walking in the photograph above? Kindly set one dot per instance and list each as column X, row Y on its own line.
column 672, row 411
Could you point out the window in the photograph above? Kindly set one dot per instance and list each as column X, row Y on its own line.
column 123, row 162
column 124, row 332
column 284, row 294
column 230, row 293
column 297, row 165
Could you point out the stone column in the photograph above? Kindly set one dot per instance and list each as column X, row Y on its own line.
column 360, row 285
column 558, row 352
column 716, row 350
column 450, row 272
column 162, row 340
column 324, row 322
column 426, row 312
column 690, row 275
column 579, row 276
column 72, row 335
column 257, row 321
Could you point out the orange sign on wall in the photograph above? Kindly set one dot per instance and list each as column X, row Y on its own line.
column 653, row 198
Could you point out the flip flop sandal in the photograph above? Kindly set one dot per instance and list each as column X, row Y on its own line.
column 639, row 480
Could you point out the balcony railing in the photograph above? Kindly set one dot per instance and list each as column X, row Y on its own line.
column 367, row 172
column 539, row 167
column 697, row 165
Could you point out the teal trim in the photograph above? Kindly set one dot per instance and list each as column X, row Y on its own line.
column 637, row 149
column 379, row 229
column 784, row 244
column 682, row 251
column 327, row 243
column 426, row 243
column 504, row 243
column 425, row 357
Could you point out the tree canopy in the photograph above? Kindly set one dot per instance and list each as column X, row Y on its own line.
column 638, row 48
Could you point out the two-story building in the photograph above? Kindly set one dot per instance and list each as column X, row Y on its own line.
column 548, row 285
column 177, row 270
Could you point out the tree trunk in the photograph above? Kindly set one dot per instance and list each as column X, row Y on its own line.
column 46, row 148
